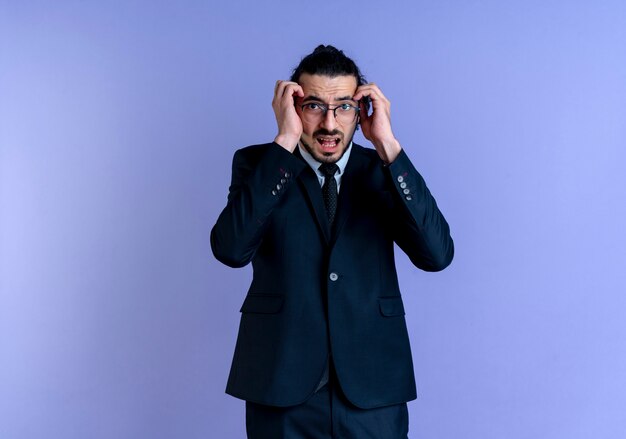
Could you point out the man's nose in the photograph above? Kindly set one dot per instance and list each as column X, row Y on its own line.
column 329, row 122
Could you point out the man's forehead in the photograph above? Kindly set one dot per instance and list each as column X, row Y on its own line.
column 328, row 86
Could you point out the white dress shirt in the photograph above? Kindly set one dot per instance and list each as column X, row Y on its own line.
column 314, row 164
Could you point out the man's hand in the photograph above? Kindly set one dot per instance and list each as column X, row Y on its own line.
column 377, row 126
column 289, row 123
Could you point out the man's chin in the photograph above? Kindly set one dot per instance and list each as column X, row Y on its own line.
column 326, row 156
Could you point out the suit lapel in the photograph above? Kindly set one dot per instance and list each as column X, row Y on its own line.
column 347, row 192
column 311, row 187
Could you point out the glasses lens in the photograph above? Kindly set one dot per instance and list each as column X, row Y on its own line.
column 345, row 113
column 314, row 113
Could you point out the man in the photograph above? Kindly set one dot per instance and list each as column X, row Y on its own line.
column 323, row 349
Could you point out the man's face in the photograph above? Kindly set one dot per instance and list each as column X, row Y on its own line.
column 327, row 139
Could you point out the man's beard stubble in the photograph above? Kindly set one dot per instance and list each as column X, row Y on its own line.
column 327, row 157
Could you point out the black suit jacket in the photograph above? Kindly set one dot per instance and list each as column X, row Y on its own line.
column 317, row 291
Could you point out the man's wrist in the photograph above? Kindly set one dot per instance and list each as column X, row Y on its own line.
column 390, row 151
column 286, row 141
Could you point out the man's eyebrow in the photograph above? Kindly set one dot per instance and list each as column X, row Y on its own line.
column 318, row 99
column 312, row 98
column 345, row 98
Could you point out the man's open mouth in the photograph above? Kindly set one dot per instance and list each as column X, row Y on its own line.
column 328, row 142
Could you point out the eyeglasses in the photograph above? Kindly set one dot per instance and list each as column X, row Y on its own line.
column 314, row 112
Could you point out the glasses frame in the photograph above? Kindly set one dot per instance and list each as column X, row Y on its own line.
column 326, row 108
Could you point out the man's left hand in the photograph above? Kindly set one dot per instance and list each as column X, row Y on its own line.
column 377, row 126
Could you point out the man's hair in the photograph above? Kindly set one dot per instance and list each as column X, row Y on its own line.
column 328, row 61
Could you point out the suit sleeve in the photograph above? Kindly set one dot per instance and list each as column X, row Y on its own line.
column 420, row 229
column 260, row 177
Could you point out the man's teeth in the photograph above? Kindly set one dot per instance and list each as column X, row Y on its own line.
column 328, row 142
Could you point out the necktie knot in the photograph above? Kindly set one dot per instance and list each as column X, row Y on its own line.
column 328, row 169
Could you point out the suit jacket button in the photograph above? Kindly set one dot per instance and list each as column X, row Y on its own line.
column 283, row 180
column 274, row 192
column 403, row 184
column 406, row 191
column 333, row 276
column 408, row 198
column 400, row 179
column 287, row 175
column 279, row 187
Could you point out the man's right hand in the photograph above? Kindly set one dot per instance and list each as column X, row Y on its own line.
column 289, row 123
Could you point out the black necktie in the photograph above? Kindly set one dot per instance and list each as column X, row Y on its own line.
column 329, row 189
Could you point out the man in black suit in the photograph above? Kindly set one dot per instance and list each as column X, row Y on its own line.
column 323, row 349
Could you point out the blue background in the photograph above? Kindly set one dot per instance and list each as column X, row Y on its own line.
column 118, row 121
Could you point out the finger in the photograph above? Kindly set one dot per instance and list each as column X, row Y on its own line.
column 283, row 96
column 360, row 92
column 300, row 91
column 372, row 91
column 281, row 86
column 278, row 92
column 291, row 89
column 366, row 93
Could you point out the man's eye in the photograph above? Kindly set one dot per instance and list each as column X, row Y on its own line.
column 345, row 107
column 313, row 107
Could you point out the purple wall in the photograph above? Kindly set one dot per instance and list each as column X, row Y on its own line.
column 118, row 121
